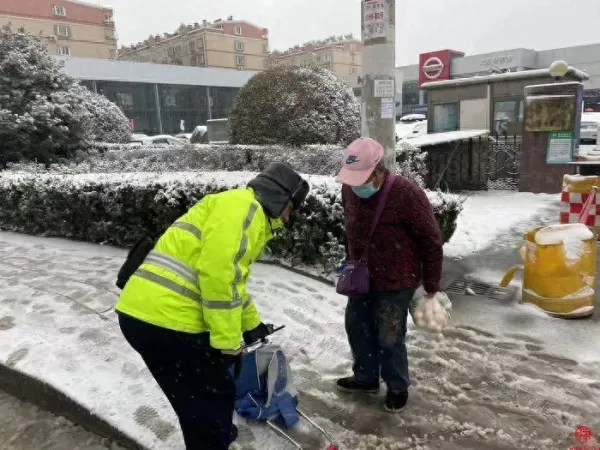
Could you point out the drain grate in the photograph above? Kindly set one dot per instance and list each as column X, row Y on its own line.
column 480, row 288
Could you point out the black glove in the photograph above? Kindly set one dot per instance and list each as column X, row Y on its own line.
column 258, row 334
column 232, row 359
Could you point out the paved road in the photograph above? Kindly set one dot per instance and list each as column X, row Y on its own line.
column 26, row 427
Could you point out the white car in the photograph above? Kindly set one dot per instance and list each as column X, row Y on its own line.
column 184, row 136
column 410, row 130
column 589, row 128
column 162, row 140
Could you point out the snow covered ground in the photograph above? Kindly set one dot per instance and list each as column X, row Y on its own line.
column 26, row 427
column 503, row 377
column 494, row 219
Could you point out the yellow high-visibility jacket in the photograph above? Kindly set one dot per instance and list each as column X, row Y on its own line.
column 195, row 278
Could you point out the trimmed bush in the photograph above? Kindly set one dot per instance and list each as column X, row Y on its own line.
column 120, row 208
column 295, row 106
column 44, row 114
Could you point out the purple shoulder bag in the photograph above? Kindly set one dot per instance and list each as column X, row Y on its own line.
column 355, row 279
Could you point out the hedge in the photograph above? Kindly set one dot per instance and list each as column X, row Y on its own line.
column 119, row 208
column 311, row 159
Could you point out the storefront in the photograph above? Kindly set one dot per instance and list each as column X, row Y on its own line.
column 451, row 64
column 160, row 98
column 493, row 102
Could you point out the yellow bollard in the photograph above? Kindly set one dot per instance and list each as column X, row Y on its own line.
column 559, row 286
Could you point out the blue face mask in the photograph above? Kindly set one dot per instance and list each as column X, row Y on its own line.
column 365, row 190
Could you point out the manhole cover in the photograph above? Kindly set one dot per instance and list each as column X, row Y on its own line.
column 465, row 286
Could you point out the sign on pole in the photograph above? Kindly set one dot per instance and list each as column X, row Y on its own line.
column 374, row 20
column 384, row 88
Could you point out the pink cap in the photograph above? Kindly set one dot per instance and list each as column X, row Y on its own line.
column 360, row 159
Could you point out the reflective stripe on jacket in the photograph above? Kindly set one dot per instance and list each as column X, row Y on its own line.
column 195, row 278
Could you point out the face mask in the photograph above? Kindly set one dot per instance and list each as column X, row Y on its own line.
column 365, row 190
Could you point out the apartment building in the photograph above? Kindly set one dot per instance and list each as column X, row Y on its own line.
column 342, row 55
column 71, row 27
column 229, row 44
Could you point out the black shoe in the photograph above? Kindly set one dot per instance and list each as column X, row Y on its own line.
column 234, row 434
column 395, row 401
column 350, row 384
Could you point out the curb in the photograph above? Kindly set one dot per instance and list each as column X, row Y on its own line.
column 39, row 393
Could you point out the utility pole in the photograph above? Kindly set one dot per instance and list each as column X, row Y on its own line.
column 378, row 96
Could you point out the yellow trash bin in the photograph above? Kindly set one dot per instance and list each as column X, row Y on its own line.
column 561, row 284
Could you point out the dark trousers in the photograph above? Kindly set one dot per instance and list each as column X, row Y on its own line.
column 192, row 376
column 376, row 328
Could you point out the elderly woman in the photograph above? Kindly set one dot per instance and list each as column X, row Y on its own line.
column 404, row 251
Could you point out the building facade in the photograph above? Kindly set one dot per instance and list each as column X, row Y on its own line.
column 229, row 44
column 161, row 98
column 342, row 55
column 451, row 64
column 491, row 102
column 70, row 27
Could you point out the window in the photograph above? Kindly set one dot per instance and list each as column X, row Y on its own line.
column 192, row 45
column 265, row 48
column 64, row 50
column 239, row 46
column 240, row 60
column 171, row 51
column 352, row 70
column 59, row 11
column 110, row 35
column 125, row 99
column 445, row 117
column 319, row 59
column 201, row 43
column 194, row 60
column 238, row 30
column 327, row 57
column 62, row 30
column 508, row 116
column 108, row 18
column 201, row 59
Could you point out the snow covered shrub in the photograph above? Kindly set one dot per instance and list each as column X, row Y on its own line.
column 412, row 162
column 120, row 208
column 295, row 106
column 107, row 122
column 45, row 112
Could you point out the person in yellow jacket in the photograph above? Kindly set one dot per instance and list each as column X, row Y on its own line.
column 186, row 307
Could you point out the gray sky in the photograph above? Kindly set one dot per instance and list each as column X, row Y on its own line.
column 472, row 26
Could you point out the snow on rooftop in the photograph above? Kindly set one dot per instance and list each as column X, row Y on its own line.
column 448, row 136
column 573, row 73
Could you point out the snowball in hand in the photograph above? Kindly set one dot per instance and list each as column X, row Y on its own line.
column 431, row 313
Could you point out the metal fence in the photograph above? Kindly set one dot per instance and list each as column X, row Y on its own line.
column 485, row 163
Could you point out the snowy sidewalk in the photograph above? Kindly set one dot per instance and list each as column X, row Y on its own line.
column 492, row 383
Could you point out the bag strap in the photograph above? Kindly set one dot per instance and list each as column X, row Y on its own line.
column 389, row 182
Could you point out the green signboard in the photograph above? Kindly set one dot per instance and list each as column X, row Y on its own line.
column 560, row 147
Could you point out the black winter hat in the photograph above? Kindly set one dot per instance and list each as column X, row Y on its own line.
column 278, row 185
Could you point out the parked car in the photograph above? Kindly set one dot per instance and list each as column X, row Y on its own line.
column 200, row 135
column 184, row 136
column 162, row 140
column 411, row 125
column 410, row 130
column 589, row 128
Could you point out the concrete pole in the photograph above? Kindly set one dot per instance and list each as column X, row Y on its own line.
column 378, row 66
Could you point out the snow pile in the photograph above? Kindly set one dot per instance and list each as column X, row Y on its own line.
column 431, row 313
column 295, row 106
column 571, row 236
